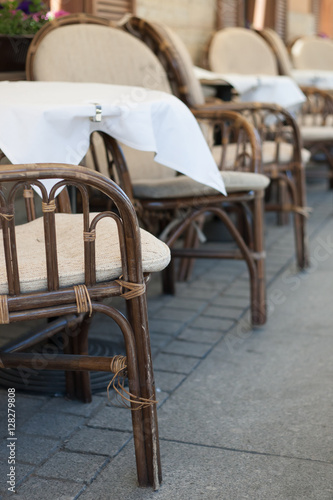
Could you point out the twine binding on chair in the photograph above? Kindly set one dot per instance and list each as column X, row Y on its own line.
column 49, row 207
column 163, row 46
column 135, row 289
column 28, row 193
column 7, row 217
column 305, row 211
column 83, row 301
column 259, row 255
column 89, row 235
column 4, row 313
column 118, row 366
column 183, row 89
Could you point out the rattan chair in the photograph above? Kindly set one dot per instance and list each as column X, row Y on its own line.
column 313, row 53
column 62, row 266
column 315, row 119
column 73, row 49
column 281, row 149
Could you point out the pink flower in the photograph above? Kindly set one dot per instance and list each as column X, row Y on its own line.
column 61, row 13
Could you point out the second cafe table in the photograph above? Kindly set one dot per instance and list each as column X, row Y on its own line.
column 275, row 89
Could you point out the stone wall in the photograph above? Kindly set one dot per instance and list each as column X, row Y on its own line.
column 193, row 20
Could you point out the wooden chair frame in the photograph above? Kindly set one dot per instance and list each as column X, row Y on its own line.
column 62, row 303
column 318, row 108
column 158, row 213
column 318, row 111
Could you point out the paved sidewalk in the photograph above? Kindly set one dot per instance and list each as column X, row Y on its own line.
column 243, row 414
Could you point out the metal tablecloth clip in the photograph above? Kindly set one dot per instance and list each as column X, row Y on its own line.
column 98, row 113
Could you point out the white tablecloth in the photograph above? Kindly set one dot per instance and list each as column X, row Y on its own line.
column 314, row 78
column 49, row 122
column 280, row 90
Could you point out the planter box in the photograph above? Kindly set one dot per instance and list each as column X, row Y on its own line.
column 13, row 52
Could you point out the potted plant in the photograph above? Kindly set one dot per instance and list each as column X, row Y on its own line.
column 19, row 21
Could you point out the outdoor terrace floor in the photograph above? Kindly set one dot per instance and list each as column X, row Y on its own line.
column 243, row 414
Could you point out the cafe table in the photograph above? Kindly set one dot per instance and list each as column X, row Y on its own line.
column 51, row 122
column 281, row 90
column 320, row 79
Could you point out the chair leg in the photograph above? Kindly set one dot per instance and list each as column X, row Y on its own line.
column 186, row 264
column 282, row 193
column 254, row 258
column 329, row 157
column 141, row 384
column 259, row 312
column 300, row 220
column 168, row 279
column 76, row 342
column 137, row 308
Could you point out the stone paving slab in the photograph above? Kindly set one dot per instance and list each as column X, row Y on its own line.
column 197, row 335
column 37, row 488
column 183, row 348
column 60, row 404
column 31, row 449
column 199, row 472
column 76, row 467
column 112, row 418
column 57, row 425
column 166, row 381
column 175, row 363
column 98, row 441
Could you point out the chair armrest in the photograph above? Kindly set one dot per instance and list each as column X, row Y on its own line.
column 272, row 122
column 318, row 108
column 231, row 128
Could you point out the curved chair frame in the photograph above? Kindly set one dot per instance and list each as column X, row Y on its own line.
column 62, row 302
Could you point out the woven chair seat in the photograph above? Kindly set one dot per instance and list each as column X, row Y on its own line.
column 320, row 133
column 69, row 227
column 183, row 186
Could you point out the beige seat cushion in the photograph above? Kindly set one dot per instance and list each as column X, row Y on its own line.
column 268, row 152
column 31, row 253
column 99, row 54
column 285, row 153
column 239, row 50
column 313, row 52
column 319, row 133
column 183, row 186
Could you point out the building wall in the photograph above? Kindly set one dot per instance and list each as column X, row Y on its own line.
column 301, row 6
column 300, row 20
column 193, row 20
column 326, row 18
